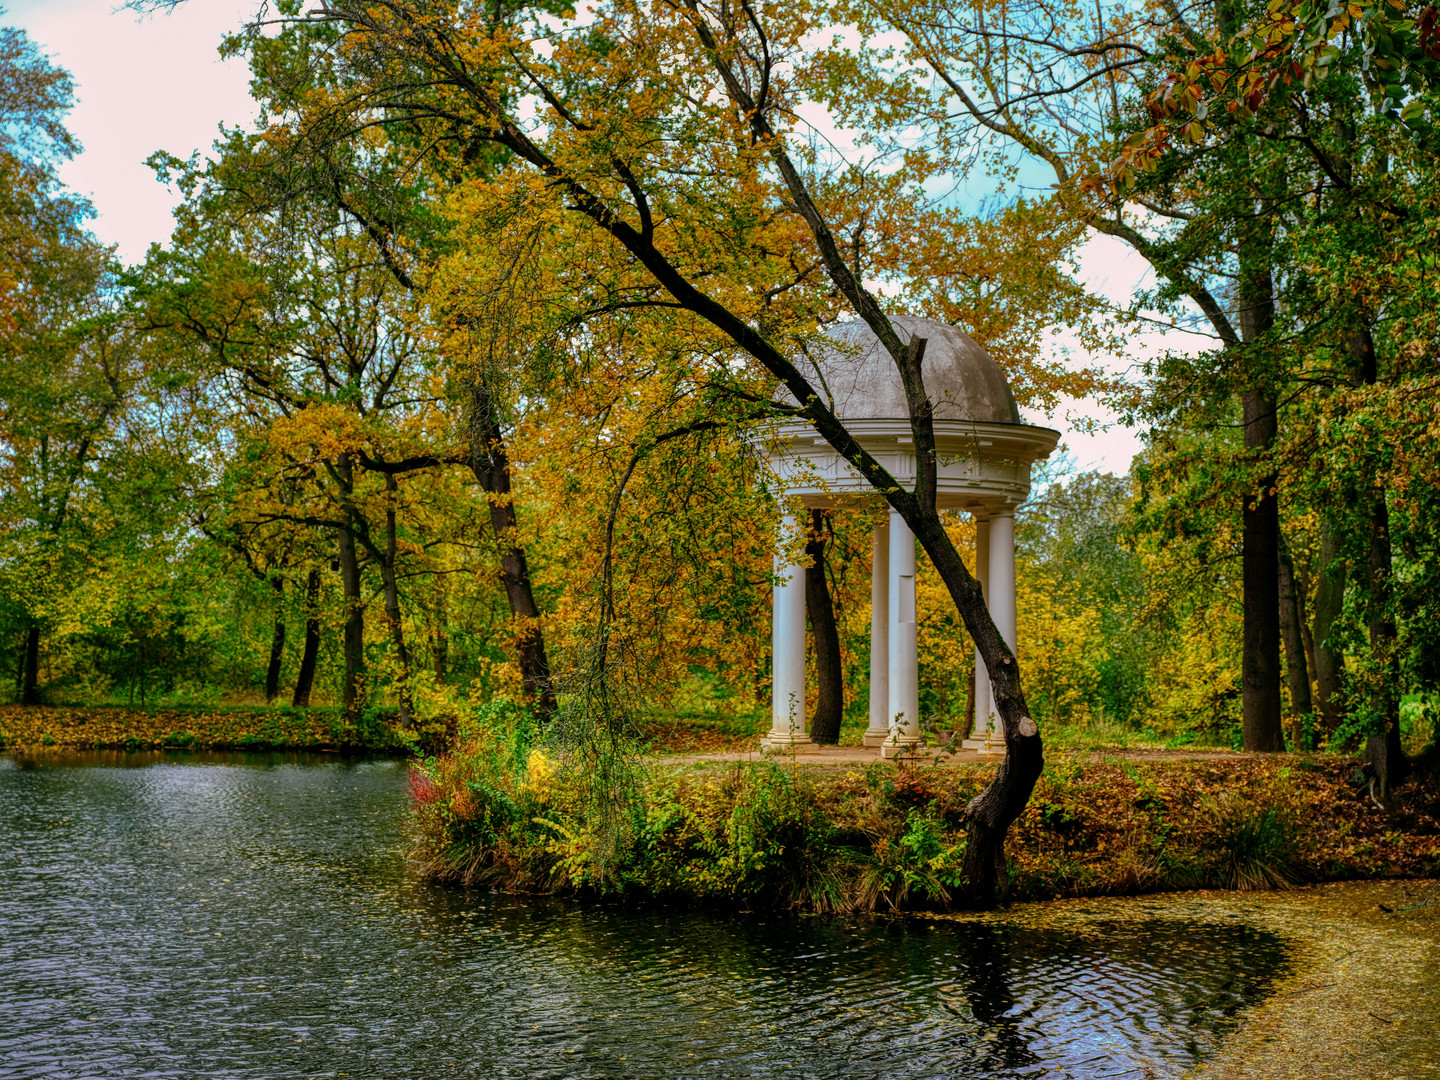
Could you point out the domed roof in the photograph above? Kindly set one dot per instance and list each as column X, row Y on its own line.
column 961, row 379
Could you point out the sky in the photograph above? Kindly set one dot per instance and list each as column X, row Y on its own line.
column 158, row 83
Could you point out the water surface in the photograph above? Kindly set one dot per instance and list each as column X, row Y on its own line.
column 252, row 916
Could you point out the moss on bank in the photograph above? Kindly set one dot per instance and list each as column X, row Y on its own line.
column 766, row 833
column 34, row 729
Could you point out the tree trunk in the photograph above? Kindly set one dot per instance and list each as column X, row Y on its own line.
column 30, row 680
column 963, row 731
column 1329, row 603
column 353, row 694
column 392, row 601
column 277, row 645
column 1261, row 703
column 830, row 679
column 991, row 813
column 1260, row 664
column 1382, row 748
column 491, row 466
column 306, row 679
column 1291, row 621
column 1302, row 613
column 440, row 640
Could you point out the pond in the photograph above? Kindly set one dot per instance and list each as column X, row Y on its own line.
column 253, row 916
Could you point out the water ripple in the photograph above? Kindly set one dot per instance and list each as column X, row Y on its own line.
column 253, row 918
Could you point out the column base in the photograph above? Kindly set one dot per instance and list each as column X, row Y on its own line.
column 894, row 748
column 789, row 744
column 993, row 747
column 876, row 738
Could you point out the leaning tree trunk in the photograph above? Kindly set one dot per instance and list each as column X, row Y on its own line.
column 305, row 680
column 1291, row 624
column 830, row 679
column 991, row 813
column 277, row 645
column 30, row 678
column 491, row 465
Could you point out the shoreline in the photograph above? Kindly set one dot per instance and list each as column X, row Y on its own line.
column 1362, row 997
column 877, row 837
column 51, row 729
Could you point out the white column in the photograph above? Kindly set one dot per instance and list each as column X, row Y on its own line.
column 879, row 728
column 787, row 650
column 903, row 711
column 1002, row 598
column 981, row 719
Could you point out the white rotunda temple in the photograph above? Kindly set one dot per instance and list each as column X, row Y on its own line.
column 984, row 457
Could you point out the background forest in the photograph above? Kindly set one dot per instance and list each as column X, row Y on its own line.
column 389, row 425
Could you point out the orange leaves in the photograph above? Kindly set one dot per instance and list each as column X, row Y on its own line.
column 319, row 433
column 38, row 730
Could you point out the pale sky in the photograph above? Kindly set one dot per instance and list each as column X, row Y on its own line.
column 158, row 83
column 142, row 85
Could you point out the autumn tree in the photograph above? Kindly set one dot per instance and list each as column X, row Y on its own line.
column 1341, row 98
column 67, row 363
column 379, row 184
column 1035, row 90
column 669, row 138
column 317, row 345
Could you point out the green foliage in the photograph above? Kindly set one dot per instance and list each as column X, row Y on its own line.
column 923, row 859
column 762, row 833
column 183, row 443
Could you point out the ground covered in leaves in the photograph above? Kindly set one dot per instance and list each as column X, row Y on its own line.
column 1360, row 998
column 881, row 837
column 97, row 728
column 1364, row 1000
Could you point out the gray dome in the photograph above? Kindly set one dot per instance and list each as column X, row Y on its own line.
column 857, row 374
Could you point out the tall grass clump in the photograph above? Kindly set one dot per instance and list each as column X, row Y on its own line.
column 1252, row 846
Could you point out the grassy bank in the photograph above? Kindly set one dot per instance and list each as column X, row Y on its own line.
column 237, row 728
column 767, row 833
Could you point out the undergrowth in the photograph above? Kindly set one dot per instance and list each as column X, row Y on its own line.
column 761, row 833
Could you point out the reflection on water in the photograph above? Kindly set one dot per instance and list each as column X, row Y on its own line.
column 251, row 916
